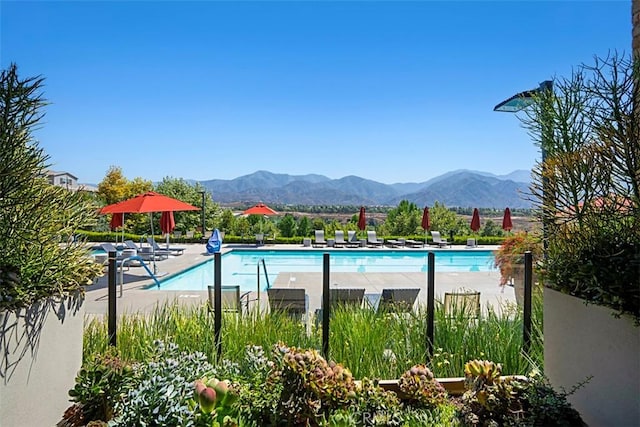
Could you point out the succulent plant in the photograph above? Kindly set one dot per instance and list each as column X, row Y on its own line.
column 311, row 385
column 421, row 387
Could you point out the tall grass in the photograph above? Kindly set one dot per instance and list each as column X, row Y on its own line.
column 371, row 344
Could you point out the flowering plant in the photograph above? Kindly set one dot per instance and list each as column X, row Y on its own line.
column 511, row 252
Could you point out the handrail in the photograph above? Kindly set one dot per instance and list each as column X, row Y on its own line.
column 135, row 258
column 266, row 275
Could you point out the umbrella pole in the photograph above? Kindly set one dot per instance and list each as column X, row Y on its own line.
column 153, row 247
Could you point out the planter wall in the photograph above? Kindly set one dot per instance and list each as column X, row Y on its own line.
column 41, row 355
column 586, row 340
column 517, row 276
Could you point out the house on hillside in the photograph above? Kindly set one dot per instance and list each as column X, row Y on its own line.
column 68, row 181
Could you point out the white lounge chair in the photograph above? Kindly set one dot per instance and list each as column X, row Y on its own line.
column 372, row 239
column 339, row 239
column 438, row 240
column 319, row 238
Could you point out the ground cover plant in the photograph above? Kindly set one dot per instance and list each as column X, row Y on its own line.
column 289, row 386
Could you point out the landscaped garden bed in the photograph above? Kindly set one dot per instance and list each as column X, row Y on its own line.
column 165, row 371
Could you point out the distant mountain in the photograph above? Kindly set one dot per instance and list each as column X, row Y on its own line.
column 457, row 188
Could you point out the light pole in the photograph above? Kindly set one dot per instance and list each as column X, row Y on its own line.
column 203, row 214
column 512, row 105
column 516, row 103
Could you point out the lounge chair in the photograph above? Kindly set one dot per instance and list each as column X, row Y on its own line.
column 466, row 304
column 352, row 239
column 342, row 297
column 292, row 301
column 339, row 239
column 399, row 300
column 346, row 296
column 259, row 239
column 146, row 253
column 414, row 243
column 438, row 240
column 319, row 238
column 396, row 243
column 231, row 298
column 121, row 255
column 372, row 240
column 157, row 248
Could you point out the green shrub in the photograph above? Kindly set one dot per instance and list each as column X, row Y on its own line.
column 37, row 219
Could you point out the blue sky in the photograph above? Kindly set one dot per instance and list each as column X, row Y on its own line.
column 389, row 91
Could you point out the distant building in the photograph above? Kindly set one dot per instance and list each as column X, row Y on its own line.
column 68, row 181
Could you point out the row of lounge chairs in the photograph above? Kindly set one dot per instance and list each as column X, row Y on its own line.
column 295, row 301
column 153, row 252
column 373, row 241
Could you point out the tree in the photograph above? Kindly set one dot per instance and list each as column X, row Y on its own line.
column 403, row 220
column 114, row 187
column 287, row 226
column 304, row 226
column 445, row 220
column 180, row 189
column 34, row 214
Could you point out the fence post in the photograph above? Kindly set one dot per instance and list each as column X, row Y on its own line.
column 430, row 300
column 326, row 305
column 217, row 300
column 526, row 318
column 112, row 298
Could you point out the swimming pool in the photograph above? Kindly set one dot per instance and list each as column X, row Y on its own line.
column 239, row 267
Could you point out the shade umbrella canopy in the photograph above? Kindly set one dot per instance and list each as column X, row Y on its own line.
column 362, row 219
column 148, row 202
column 506, row 220
column 426, row 220
column 475, row 220
column 260, row 209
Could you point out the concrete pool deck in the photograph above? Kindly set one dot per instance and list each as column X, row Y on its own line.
column 136, row 298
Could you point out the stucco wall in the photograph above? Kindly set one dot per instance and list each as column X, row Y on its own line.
column 42, row 353
column 582, row 341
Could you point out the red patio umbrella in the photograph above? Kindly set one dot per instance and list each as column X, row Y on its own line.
column 167, row 224
column 362, row 219
column 507, row 225
column 426, row 220
column 260, row 209
column 117, row 220
column 147, row 203
column 475, row 220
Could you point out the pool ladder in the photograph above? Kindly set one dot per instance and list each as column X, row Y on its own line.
column 266, row 276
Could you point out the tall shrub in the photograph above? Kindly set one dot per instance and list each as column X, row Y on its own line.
column 39, row 257
column 588, row 188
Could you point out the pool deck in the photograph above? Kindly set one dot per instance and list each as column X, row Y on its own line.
column 135, row 298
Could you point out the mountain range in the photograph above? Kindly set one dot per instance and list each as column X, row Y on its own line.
column 460, row 188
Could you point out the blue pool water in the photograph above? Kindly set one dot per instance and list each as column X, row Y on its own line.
column 239, row 267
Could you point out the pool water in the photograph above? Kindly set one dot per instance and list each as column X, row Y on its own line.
column 239, row 267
